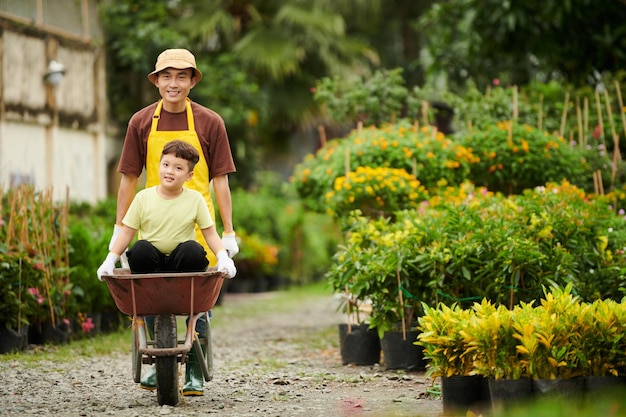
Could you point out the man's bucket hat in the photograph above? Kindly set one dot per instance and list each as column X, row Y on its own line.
column 177, row 59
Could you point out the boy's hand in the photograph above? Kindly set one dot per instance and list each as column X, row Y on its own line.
column 225, row 264
column 107, row 266
column 229, row 241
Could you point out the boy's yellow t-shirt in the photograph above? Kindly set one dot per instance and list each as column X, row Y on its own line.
column 167, row 223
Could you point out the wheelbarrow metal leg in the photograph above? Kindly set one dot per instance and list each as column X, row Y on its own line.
column 139, row 342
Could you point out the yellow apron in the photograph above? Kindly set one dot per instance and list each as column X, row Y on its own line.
column 200, row 180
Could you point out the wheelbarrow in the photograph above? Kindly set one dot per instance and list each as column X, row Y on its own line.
column 165, row 296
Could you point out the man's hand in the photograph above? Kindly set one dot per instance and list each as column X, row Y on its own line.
column 225, row 264
column 229, row 240
column 108, row 265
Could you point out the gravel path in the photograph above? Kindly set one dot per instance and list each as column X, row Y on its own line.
column 264, row 366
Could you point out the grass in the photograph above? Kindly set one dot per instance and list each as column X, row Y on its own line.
column 100, row 345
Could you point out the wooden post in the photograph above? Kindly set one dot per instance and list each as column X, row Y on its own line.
column 579, row 120
column 540, row 116
column 322, row 132
column 616, row 152
column 621, row 104
column 564, row 115
column 600, row 121
column 515, row 105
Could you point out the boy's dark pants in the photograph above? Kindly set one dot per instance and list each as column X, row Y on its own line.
column 189, row 256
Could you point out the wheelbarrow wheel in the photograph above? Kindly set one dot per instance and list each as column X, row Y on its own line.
column 166, row 366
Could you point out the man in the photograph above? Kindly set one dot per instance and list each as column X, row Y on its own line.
column 175, row 116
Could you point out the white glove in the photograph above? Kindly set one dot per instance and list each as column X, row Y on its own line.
column 229, row 241
column 108, row 265
column 225, row 264
column 116, row 231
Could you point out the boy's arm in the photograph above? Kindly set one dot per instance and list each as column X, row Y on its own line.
column 124, row 238
column 212, row 239
column 224, row 263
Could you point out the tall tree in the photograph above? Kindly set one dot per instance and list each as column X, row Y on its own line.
column 484, row 39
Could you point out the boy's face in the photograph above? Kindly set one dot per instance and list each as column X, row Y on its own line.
column 174, row 86
column 174, row 171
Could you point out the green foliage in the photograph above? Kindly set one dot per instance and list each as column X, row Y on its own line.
column 89, row 235
column 375, row 191
column 490, row 342
column 34, row 254
column 279, row 238
column 18, row 272
column 467, row 244
column 430, row 156
column 441, row 336
column 512, row 158
column 492, row 39
column 376, row 263
column 373, row 101
column 560, row 337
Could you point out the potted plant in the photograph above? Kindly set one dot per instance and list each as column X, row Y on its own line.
column 491, row 342
column 17, row 272
column 359, row 344
column 549, row 337
column 449, row 356
column 372, row 264
column 602, row 325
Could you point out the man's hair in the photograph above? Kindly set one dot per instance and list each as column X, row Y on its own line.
column 183, row 150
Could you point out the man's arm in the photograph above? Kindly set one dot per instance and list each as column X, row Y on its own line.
column 224, row 202
column 225, row 206
column 125, row 195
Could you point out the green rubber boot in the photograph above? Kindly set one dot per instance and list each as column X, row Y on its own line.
column 148, row 380
column 194, row 380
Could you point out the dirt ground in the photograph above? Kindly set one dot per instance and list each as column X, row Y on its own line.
column 264, row 366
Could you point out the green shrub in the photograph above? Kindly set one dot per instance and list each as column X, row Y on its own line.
column 427, row 154
column 279, row 238
column 513, row 157
column 468, row 244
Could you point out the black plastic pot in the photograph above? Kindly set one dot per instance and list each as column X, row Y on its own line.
column 604, row 383
column 571, row 388
column 12, row 340
column 507, row 392
column 360, row 346
column 463, row 393
column 401, row 353
column 45, row 333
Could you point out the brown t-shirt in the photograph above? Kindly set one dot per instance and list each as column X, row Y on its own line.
column 209, row 127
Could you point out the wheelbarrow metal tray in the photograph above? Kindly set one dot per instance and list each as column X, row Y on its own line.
column 179, row 293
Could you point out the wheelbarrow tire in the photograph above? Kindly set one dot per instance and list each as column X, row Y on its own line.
column 166, row 366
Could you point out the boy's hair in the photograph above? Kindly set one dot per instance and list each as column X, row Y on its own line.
column 183, row 150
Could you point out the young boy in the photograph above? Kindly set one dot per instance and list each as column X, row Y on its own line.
column 165, row 217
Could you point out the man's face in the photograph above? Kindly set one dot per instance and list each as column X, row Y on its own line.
column 174, row 86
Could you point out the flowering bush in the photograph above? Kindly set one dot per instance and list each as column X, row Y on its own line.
column 427, row 154
column 467, row 244
column 375, row 191
column 34, row 233
column 513, row 157
column 18, row 272
column 375, row 263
